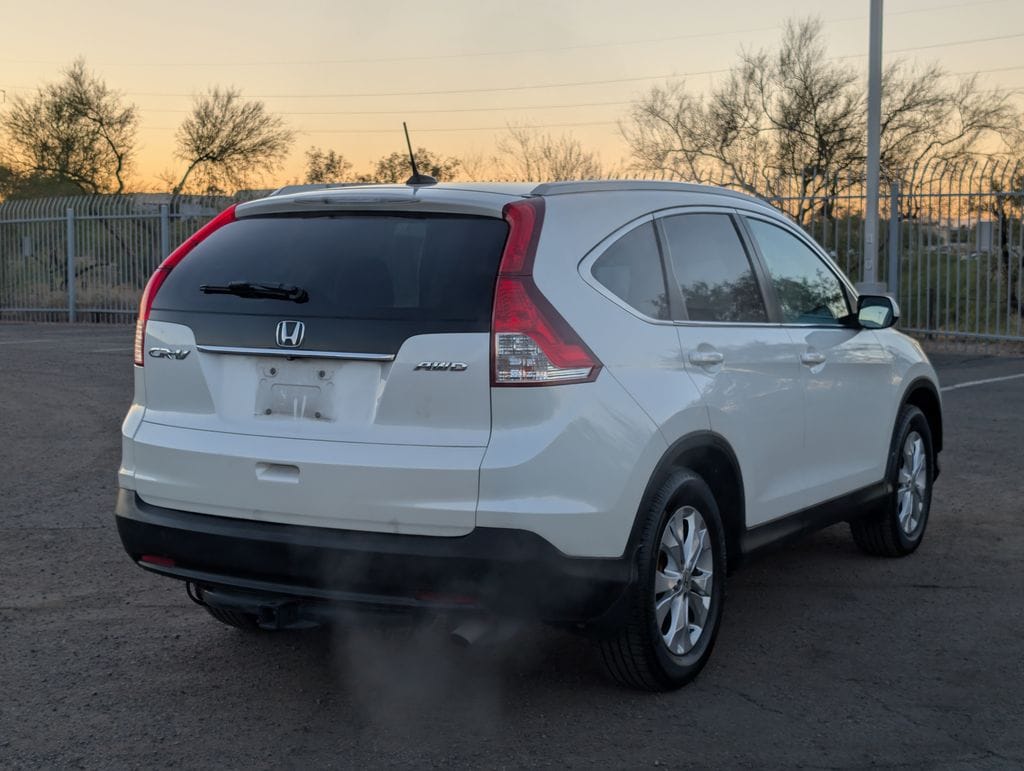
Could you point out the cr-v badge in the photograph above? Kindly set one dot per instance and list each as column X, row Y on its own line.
column 290, row 333
column 168, row 353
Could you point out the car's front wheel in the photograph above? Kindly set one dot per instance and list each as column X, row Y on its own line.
column 676, row 603
column 898, row 528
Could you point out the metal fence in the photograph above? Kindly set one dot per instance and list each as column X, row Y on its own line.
column 952, row 246
column 952, row 242
column 88, row 258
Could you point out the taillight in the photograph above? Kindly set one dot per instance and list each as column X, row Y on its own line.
column 160, row 275
column 533, row 344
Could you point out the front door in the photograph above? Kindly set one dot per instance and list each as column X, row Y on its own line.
column 846, row 371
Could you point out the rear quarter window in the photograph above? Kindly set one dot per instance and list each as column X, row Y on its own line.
column 631, row 270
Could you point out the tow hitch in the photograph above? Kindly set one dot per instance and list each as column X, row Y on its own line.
column 270, row 612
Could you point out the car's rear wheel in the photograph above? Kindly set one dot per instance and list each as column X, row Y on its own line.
column 676, row 603
column 897, row 530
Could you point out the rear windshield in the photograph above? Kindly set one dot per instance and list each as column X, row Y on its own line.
column 424, row 267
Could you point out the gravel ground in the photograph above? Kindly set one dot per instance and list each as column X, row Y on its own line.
column 826, row 658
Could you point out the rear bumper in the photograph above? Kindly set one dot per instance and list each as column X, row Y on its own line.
column 501, row 571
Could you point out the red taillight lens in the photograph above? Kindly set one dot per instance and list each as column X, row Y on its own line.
column 160, row 274
column 524, row 219
column 533, row 344
column 155, row 559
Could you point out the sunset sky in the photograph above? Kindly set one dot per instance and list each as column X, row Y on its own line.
column 345, row 74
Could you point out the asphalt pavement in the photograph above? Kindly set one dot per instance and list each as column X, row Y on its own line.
column 826, row 658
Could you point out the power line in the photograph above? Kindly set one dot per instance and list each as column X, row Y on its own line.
column 440, row 92
column 939, row 45
column 506, row 108
column 565, row 84
column 512, row 52
column 993, row 69
column 430, row 112
column 552, row 85
column 429, row 130
column 439, row 57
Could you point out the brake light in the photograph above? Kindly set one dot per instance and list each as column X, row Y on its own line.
column 533, row 344
column 160, row 275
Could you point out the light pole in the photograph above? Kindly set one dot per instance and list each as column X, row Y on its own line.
column 869, row 275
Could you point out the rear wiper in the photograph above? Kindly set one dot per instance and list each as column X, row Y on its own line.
column 295, row 294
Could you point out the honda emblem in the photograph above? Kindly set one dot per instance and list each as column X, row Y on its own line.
column 290, row 333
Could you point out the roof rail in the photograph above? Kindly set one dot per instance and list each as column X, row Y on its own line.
column 611, row 185
column 288, row 189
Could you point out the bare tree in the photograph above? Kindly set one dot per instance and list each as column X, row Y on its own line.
column 226, row 140
column 10, row 181
column 778, row 116
column 75, row 131
column 1004, row 207
column 326, row 166
column 526, row 154
column 475, row 166
column 395, row 168
column 14, row 184
column 792, row 122
column 925, row 121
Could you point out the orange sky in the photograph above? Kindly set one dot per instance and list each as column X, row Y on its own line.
column 345, row 74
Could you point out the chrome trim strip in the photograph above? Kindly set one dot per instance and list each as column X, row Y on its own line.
column 296, row 353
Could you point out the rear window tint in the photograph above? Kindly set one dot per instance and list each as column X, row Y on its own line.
column 631, row 270
column 423, row 267
column 714, row 273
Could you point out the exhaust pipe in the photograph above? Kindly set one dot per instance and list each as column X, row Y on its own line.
column 471, row 631
column 485, row 631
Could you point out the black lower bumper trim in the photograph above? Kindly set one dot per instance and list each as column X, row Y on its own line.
column 508, row 572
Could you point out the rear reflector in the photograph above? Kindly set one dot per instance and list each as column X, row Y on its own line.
column 160, row 274
column 153, row 559
column 533, row 344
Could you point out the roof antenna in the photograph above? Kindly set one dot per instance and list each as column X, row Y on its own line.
column 416, row 178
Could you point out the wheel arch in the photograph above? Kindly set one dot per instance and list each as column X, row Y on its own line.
column 923, row 394
column 711, row 456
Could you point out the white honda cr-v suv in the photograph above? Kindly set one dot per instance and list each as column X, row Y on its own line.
column 578, row 402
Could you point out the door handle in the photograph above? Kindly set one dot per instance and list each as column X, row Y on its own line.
column 706, row 358
column 812, row 358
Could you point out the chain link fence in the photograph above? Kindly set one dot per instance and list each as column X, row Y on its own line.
column 952, row 245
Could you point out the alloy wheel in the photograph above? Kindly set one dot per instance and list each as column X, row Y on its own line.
column 912, row 484
column 683, row 580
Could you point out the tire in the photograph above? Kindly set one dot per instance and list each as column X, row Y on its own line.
column 246, row 621
column 898, row 529
column 652, row 655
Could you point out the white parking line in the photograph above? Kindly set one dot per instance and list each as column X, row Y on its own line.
column 982, row 382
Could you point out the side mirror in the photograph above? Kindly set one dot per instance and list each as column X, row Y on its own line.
column 877, row 311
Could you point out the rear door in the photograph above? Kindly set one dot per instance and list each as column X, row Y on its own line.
column 364, row 405
column 639, row 344
column 745, row 366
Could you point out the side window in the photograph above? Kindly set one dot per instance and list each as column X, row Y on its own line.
column 713, row 269
column 631, row 270
column 807, row 290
